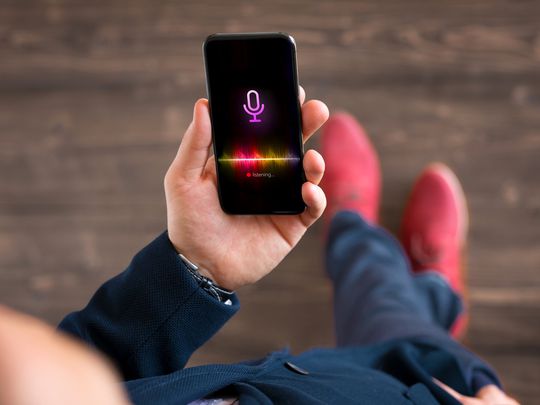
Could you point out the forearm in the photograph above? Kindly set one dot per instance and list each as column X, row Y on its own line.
column 152, row 317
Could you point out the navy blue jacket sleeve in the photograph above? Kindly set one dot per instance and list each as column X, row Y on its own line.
column 149, row 319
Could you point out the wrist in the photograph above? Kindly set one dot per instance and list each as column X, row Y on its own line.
column 204, row 269
column 207, row 283
column 192, row 260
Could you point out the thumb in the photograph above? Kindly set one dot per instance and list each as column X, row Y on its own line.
column 194, row 148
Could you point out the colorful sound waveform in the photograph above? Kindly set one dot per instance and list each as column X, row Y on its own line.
column 255, row 160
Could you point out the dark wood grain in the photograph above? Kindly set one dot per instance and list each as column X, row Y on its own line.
column 94, row 97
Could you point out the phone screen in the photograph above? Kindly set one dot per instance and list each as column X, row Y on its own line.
column 256, row 124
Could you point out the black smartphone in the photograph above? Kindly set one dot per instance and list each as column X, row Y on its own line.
column 252, row 86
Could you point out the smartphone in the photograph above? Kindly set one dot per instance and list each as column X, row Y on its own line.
column 252, row 86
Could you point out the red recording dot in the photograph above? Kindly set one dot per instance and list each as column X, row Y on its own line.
column 248, row 174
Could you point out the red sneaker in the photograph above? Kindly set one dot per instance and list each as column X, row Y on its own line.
column 434, row 229
column 352, row 179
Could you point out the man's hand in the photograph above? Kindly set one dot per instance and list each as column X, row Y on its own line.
column 488, row 395
column 234, row 250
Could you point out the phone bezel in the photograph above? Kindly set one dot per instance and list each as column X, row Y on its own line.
column 255, row 36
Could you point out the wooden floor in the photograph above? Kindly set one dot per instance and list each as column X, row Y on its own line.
column 94, row 97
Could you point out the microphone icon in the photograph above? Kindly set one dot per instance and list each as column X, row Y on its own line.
column 253, row 110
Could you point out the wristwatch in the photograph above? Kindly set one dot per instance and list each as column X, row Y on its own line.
column 219, row 293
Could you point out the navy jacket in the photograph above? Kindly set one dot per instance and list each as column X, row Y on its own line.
column 149, row 320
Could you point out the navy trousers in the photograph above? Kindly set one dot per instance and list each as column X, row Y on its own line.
column 376, row 296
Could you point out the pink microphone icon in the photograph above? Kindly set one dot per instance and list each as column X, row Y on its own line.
column 253, row 110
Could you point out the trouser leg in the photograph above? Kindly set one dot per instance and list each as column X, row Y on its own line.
column 376, row 298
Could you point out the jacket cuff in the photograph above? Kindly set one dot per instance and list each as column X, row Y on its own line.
column 153, row 316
